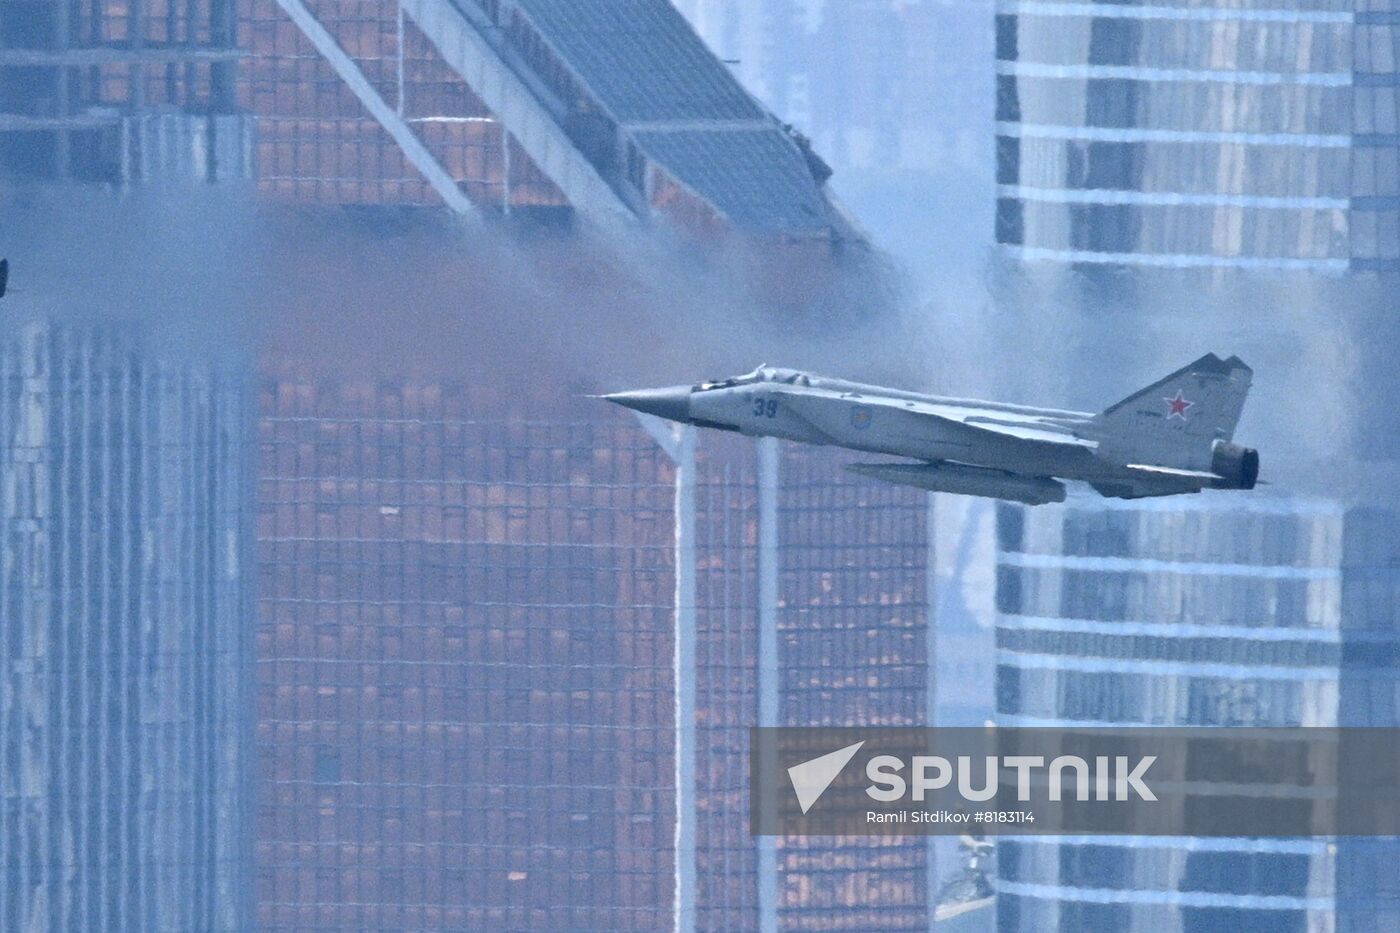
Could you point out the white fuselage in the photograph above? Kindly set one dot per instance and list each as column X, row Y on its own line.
column 817, row 410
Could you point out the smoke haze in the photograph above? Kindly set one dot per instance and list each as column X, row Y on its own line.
column 535, row 316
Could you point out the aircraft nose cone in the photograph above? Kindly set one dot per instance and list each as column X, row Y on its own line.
column 671, row 403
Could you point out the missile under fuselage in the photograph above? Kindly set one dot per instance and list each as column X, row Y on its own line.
column 966, row 480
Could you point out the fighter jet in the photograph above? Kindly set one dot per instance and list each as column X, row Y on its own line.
column 1173, row 437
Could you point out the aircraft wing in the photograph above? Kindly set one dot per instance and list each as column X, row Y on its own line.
column 1146, row 481
column 1028, row 431
column 1019, row 427
column 1197, row 477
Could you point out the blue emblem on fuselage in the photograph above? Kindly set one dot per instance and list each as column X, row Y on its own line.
column 861, row 417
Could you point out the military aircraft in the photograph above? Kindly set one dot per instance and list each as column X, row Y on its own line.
column 1173, row 437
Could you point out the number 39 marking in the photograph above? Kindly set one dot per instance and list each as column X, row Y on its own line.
column 765, row 408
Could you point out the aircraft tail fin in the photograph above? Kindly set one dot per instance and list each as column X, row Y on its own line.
column 1177, row 420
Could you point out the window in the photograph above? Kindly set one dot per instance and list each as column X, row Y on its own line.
column 1008, row 99
column 1010, row 224
column 1114, row 42
column 1006, row 38
column 1113, row 102
column 327, row 766
column 1008, row 160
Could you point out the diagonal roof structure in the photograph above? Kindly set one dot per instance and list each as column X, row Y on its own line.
column 623, row 107
column 641, row 59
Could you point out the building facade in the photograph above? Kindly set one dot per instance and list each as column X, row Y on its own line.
column 1194, row 615
column 853, row 649
column 121, row 93
column 1368, row 893
column 464, row 666
column 1244, row 135
column 465, row 659
column 123, row 656
column 538, row 107
column 880, row 86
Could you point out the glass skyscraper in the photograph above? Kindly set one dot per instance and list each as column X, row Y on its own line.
column 1200, row 133
column 124, row 638
column 465, row 649
column 1277, row 613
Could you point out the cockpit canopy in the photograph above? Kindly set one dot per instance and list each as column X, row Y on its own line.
column 762, row 374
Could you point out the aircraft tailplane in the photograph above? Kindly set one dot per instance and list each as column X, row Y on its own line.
column 1177, row 420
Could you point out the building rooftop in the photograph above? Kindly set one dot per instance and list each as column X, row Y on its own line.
column 757, row 177
column 615, row 110
column 641, row 60
column 642, row 64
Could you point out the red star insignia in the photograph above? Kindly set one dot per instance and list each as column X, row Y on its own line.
column 1176, row 407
